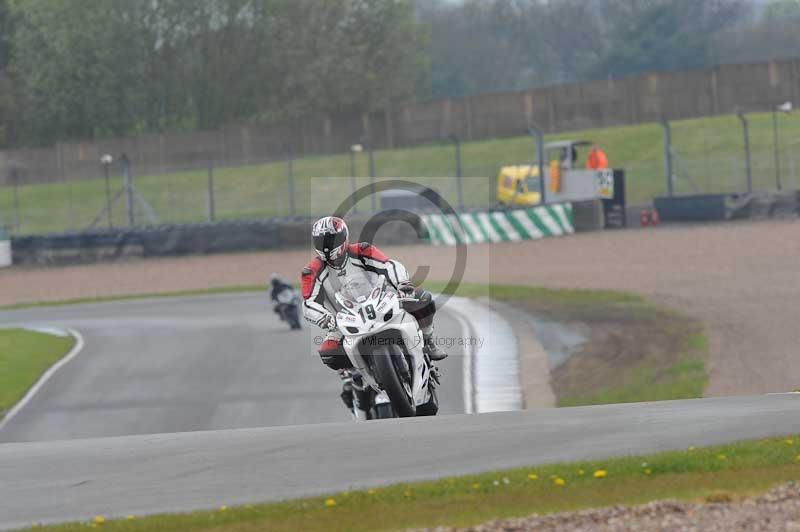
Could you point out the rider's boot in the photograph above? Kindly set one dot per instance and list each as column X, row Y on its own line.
column 347, row 391
column 434, row 352
column 361, row 396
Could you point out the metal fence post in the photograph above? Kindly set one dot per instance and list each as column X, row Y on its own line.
column 290, row 175
column 128, row 179
column 211, row 207
column 748, row 169
column 353, row 149
column 15, row 193
column 371, row 157
column 105, row 160
column 457, row 142
column 538, row 137
column 776, row 148
column 667, row 156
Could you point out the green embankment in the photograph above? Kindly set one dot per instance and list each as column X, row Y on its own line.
column 635, row 350
column 24, row 356
column 715, row 474
column 709, row 150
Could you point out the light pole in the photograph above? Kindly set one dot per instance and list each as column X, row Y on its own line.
column 354, row 149
column 106, row 161
column 784, row 108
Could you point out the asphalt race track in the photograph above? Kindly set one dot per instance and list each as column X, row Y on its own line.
column 191, row 363
column 57, row 481
column 165, row 392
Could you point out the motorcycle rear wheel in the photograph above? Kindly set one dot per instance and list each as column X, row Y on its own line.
column 384, row 360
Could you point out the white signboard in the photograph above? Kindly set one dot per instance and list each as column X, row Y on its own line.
column 5, row 253
column 605, row 184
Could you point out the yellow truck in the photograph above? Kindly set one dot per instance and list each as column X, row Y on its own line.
column 519, row 185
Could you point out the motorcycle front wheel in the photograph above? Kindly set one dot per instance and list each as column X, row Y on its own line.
column 383, row 411
column 385, row 360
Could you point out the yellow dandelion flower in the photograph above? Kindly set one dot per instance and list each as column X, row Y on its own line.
column 407, row 493
column 330, row 503
column 722, row 457
column 131, row 517
column 559, row 481
column 99, row 519
column 691, row 449
column 476, row 486
column 370, row 492
column 223, row 508
column 790, row 442
column 797, row 458
column 648, row 471
column 532, row 476
column 581, row 472
column 600, row 473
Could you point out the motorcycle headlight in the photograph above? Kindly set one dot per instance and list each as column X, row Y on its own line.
column 388, row 315
column 352, row 330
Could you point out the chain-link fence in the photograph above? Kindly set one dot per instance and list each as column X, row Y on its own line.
column 238, row 190
column 708, row 156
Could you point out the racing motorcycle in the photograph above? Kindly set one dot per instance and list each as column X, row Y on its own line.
column 287, row 307
column 385, row 345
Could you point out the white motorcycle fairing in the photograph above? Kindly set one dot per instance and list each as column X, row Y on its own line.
column 378, row 316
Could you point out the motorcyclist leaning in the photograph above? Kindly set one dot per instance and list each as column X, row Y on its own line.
column 335, row 256
column 277, row 285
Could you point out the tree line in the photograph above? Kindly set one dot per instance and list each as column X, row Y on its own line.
column 77, row 69
column 499, row 45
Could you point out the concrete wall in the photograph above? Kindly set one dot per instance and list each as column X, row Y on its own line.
column 646, row 98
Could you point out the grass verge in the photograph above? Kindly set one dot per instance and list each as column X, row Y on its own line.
column 635, row 350
column 129, row 297
column 24, row 356
column 714, row 474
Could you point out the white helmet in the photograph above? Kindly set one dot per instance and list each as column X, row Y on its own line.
column 331, row 238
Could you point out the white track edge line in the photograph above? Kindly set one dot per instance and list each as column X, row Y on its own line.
column 466, row 365
column 79, row 343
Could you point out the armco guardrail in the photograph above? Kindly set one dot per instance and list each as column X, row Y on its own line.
column 176, row 240
column 199, row 239
column 390, row 228
column 720, row 207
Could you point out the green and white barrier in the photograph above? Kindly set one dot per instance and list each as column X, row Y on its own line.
column 514, row 225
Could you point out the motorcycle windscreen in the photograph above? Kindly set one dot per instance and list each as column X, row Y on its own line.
column 357, row 286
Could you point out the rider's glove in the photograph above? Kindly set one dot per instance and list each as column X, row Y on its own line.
column 406, row 289
column 327, row 322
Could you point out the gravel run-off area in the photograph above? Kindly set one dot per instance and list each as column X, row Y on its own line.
column 777, row 510
column 741, row 279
